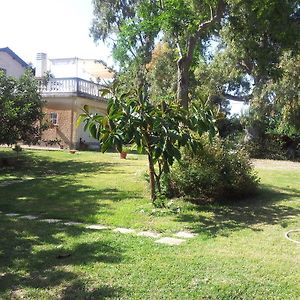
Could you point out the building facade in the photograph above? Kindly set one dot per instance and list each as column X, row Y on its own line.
column 65, row 99
column 72, row 83
column 66, row 85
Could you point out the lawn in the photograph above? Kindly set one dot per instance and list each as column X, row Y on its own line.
column 240, row 251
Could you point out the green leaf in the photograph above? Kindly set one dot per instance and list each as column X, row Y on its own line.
column 80, row 119
column 176, row 153
column 105, row 147
column 105, row 91
column 93, row 130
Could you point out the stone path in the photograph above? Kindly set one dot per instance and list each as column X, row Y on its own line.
column 13, row 181
column 179, row 237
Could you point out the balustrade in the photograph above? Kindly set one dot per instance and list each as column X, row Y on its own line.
column 81, row 87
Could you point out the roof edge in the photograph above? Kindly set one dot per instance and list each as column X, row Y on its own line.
column 15, row 56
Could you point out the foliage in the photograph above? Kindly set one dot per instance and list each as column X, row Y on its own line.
column 259, row 31
column 273, row 118
column 20, row 109
column 158, row 130
column 285, row 95
column 162, row 73
column 214, row 173
column 251, row 35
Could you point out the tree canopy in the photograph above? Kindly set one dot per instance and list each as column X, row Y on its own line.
column 20, row 109
column 255, row 33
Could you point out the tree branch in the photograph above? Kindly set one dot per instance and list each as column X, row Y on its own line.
column 192, row 41
column 214, row 18
column 179, row 49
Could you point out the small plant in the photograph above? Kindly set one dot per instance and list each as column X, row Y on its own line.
column 127, row 148
column 54, row 142
column 158, row 130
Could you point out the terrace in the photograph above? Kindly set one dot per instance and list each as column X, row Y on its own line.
column 71, row 86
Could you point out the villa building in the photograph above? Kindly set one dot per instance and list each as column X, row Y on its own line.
column 67, row 85
column 72, row 84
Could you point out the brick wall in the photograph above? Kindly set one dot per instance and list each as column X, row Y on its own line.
column 62, row 132
column 66, row 132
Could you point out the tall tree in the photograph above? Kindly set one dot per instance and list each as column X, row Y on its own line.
column 257, row 31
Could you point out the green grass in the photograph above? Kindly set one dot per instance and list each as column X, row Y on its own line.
column 240, row 251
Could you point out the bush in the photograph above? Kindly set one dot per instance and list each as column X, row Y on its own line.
column 279, row 147
column 215, row 173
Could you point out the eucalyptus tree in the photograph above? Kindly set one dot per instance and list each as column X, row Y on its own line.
column 256, row 32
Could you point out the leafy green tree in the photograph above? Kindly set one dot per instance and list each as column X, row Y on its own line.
column 20, row 109
column 158, row 130
column 161, row 73
column 255, row 31
column 285, row 96
column 274, row 113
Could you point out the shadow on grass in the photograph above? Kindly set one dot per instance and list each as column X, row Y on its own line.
column 35, row 257
column 221, row 219
column 30, row 164
column 54, row 190
column 60, row 198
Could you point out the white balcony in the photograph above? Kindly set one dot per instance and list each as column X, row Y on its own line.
column 66, row 87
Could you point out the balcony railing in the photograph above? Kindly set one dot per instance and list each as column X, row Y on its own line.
column 71, row 86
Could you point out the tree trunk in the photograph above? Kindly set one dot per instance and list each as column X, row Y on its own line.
column 152, row 178
column 186, row 57
column 183, row 82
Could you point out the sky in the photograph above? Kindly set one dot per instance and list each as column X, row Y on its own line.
column 59, row 28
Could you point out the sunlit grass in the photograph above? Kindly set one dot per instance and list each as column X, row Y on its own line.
column 240, row 251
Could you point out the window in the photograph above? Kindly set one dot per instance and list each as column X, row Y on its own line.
column 54, row 118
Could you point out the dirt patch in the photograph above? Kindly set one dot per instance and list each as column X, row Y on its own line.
column 275, row 164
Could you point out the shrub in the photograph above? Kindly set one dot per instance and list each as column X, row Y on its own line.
column 215, row 173
column 279, row 147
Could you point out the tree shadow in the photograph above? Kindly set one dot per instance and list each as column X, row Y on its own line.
column 34, row 256
column 30, row 164
column 79, row 290
column 222, row 219
column 54, row 190
column 61, row 198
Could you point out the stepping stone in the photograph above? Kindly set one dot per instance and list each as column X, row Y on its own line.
column 170, row 241
column 124, row 230
column 9, row 182
column 50, row 220
column 149, row 234
column 29, row 217
column 12, row 215
column 72, row 223
column 185, row 234
column 97, row 227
